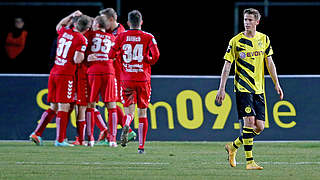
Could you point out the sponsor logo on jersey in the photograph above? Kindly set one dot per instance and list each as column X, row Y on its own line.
column 250, row 54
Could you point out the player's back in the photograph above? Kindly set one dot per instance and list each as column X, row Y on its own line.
column 69, row 41
column 100, row 44
column 134, row 48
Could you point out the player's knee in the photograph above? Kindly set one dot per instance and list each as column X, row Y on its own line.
column 63, row 107
column 259, row 127
column 81, row 113
column 249, row 121
column 54, row 106
column 111, row 105
column 128, row 111
column 142, row 112
column 92, row 105
column 82, row 108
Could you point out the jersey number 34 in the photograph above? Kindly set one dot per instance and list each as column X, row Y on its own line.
column 135, row 54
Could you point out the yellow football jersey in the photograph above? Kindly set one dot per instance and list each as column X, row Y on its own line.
column 249, row 55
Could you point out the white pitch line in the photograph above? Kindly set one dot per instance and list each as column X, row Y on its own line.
column 278, row 163
column 152, row 163
column 89, row 163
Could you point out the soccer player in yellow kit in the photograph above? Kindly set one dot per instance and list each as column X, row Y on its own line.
column 249, row 50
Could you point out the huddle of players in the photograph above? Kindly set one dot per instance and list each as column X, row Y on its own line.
column 99, row 58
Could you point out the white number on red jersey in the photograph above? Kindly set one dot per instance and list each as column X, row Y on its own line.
column 63, row 47
column 98, row 45
column 136, row 54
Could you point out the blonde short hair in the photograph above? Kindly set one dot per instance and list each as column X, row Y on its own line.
column 254, row 12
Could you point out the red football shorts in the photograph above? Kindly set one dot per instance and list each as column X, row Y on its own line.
column 61, row 88
column 82, row 96
column 103, row 84
column 135, row 93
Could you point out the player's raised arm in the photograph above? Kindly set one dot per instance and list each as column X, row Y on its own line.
column 82, row 26
column 224, row 77
column 65, row 21
column 274, row 76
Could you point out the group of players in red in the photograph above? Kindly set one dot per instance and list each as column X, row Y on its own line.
column 97, row 57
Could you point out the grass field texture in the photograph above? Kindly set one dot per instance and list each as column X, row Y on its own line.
column 163, row 160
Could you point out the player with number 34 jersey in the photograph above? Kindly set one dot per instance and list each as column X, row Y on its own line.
column 134, row 47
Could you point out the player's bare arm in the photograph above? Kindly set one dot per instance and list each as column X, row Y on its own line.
column 65, row 21
column 78, row 57
column 274, row 76
column 224, row 77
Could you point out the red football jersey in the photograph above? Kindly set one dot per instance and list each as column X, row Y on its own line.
column 100, row 43
column 69, row 41
column 135, row 47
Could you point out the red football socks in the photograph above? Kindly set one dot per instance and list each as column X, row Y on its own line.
column 113, row 122
column 99, row 121
column 143, row 129
column 61, row 121
column 46, row 118
column 127, row 119
column 81, row 129
column 90, row 123
column 120, row 115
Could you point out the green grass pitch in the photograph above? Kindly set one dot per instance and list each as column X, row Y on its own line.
column 163, row 160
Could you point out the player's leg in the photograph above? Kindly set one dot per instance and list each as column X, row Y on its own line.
column 143, row 129
column 244, row 101
column 113, row 122
column 257, row 127
column 61, row 122
column 143, row 99
column 81, row 125
column 94, row 89
column 64, row 96
column 128, row 118
column 82, row 100
column 45, row 119
column 128, row 99
column 72, row 106
column 48, row 115
column 122, row 122
column 103, row 138
column 248, row 136
column 90, row 123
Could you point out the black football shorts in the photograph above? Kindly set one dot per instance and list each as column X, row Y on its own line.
column 249, row 104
